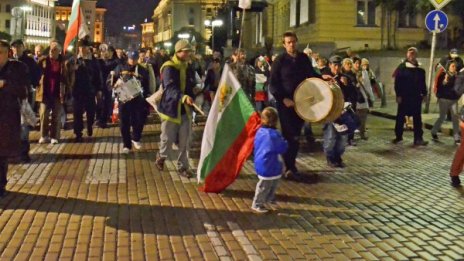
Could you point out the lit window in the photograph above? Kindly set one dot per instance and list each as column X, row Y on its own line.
column 7, row 23
column 365, row 13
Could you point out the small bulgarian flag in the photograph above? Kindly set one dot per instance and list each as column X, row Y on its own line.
column 228, row 136
column 77, row 27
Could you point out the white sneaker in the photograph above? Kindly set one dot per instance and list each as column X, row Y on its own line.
column 43, row 140
column 125, row 150
column 54, row 141
column 137, row 144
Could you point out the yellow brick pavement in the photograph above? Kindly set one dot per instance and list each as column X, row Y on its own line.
column 87, row 201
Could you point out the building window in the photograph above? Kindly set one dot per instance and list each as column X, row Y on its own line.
column 0, row 8
column 8, row 8
column 302, row 11
column 365, row 13
column 7, row 23
column 407, row 19
column 192, row 11
column 191, row 21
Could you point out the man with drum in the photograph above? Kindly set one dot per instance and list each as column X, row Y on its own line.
column 133, row 111
column 288, row 71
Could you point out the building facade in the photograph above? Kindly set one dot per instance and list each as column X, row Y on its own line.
column 29, row 20
column 188, row 14
column 359, row 24
column 148, row 34
column 94, row 17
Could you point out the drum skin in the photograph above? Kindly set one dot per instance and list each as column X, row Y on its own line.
column 317, row 101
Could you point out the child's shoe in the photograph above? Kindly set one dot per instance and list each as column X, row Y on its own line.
column 260, row 209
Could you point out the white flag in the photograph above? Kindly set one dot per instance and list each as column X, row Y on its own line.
column 83, row 27
column 244, row 4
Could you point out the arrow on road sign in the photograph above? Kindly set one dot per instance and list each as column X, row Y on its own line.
column 437, row 21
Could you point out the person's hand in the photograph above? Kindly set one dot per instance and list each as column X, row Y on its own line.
column 446, row 78
column 2, row 83
column 344, row 80
column 189, row 101
column 399, row 100
column 99, row 95
column 327, row 77
column 288, row 103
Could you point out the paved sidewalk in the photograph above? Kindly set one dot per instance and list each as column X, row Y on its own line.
column 428, row 119
column 87, row 201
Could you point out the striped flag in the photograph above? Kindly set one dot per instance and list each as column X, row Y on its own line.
column 77, row 27
column 228, row 136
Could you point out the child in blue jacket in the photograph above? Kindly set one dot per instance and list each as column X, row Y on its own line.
column 269, row 143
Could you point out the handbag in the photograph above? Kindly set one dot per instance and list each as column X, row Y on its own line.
column 27, row 114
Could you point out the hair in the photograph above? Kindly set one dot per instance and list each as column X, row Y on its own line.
column 289, row 34
column 323, row 60
column 346, row 61
column 239, row 50
column 5, row 44
column 269, row 117
column 56, row 44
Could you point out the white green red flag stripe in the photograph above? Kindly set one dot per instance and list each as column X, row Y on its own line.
column 228, row 136
column 77, row 27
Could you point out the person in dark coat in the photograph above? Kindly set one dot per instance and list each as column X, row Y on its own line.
column 87, row 83
column 19, row 54
column 411, row 90
column 288, row 71
column 133, row 113
column 13, row 87
column 108, row 63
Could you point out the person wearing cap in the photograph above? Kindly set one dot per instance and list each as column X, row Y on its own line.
column 87, row 82
column 336, row 137
column 288, row 71
column 33, row 76
column 178, row 81
column 13, row 87
column 453, row 56
column 411, row 91
column 132, row 113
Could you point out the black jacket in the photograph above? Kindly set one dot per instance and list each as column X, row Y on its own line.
column 287, row 73
column 410, row 86
column 446, row 90
column 88, row 78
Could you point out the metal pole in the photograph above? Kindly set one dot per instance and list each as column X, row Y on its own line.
column 430, row 78
column 212, row 36
column 241, row 29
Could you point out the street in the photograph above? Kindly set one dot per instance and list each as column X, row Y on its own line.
column 87, row 201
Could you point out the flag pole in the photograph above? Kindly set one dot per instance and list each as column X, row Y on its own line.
column 241, row 28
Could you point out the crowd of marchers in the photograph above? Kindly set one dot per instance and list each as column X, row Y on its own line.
column 110, row 85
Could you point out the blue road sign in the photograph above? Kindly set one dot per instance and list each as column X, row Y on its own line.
column 436, row 21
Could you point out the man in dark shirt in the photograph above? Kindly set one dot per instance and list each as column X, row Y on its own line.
column 288, row 71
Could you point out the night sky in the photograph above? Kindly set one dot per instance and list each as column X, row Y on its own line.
column 124, row 12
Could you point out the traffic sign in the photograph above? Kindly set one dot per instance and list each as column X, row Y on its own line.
column 439, row 4
column 436, row 21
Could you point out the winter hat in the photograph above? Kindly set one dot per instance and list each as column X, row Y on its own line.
column 182, row 45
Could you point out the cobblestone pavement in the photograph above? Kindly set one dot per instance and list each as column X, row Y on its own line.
column 88, row 201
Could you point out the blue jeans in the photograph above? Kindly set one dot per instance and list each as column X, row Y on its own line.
column 334, row 143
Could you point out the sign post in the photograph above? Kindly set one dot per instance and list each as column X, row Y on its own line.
column 436, row 21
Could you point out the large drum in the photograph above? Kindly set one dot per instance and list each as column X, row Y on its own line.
column 318, row 101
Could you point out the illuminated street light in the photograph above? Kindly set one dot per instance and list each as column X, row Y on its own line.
column 212, row 24
column 184, row 36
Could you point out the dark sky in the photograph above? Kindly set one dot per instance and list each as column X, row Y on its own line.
column 124, row 12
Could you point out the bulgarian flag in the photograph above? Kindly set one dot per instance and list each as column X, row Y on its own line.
column 228, row 136
column 77, row 27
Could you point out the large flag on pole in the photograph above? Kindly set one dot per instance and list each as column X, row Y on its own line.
column 228, row 136
column 77, row 27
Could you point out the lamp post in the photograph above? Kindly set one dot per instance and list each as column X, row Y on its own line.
column 214, row 23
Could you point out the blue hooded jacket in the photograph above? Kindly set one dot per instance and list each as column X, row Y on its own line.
column 269, row 143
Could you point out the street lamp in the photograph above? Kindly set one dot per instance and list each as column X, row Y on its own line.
column 214, row 23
